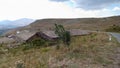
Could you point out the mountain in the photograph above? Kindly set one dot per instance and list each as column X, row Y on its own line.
column 4, row 24
column 22, row 22
column 77, row 23
column 7, row 24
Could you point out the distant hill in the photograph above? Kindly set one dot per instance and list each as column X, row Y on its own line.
column 7, row 24
column 76, row 23
column 23, row 22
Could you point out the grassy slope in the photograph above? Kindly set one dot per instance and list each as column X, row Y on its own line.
column 81, row 23
column 91, row 51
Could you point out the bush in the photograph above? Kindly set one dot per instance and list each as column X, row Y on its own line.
column 38, row 42
column 63, row 34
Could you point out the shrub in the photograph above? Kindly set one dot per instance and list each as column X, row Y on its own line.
column 36, row 43
column 63, row 34
column 20, row 65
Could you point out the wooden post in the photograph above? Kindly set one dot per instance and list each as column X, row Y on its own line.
column 110, row 37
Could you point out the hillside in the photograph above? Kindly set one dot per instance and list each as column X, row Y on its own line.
column 90, row 51
column 79, row 23
column 97, row 49
column 83, row 23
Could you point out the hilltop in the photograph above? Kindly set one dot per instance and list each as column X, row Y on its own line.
column 77, row 23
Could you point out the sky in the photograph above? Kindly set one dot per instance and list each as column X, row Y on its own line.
column 39, row 9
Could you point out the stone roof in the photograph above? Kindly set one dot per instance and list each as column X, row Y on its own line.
column 50, row 34
column 6, row 40
column 73, row 32
column 24, row 35
column 76, row 32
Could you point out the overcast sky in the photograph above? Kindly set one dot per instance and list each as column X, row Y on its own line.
column 38, row 9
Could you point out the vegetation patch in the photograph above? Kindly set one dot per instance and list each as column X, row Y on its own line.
column 113, row 28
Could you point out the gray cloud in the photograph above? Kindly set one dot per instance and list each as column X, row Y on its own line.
column 94, row 4
column 91, row 4
column 59, row 0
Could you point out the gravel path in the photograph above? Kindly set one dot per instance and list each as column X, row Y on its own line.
column 116, row 35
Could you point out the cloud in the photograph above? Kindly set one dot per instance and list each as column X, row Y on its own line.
column 116, row 9
column 92, row 4
column 39, row 9
column 59, row 0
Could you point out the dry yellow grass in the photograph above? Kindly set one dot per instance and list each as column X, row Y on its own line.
column 91, row 51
